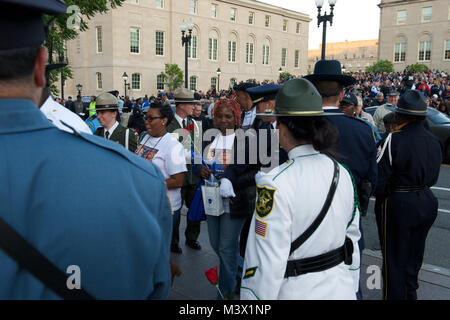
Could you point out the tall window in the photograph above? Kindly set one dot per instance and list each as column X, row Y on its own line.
column 267, row 22
column 160, row 4
column 193, row 83
column 447, row 50
column 136, row 81
column 134, row 1
column 400, row 52
column 99, row 81
column 283, row 57
column 160, row 82
column 285, row 25
column 251, row 18
column 214, row 82
column 214, row 11
column 193, row 6
column 402, row 15
column 249, row 53
column 297, row 29
column 233, row 14
column 266, row 54
column 192, row 48
column 297, row 59
column 134, row 40
column 99, row 39
column 212, row 49
column 425, row 51
column 231, row 51
column 159, row 43
column 427, row 13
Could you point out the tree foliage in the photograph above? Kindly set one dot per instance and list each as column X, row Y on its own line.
column 380, row 67
column 417, row 68
column 67, row 27
column 173, row 76
column 284, row 75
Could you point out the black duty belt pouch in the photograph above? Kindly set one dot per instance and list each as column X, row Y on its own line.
column 20, row 250
column 327, row 260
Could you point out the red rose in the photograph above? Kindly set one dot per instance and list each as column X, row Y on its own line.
column 212, row 275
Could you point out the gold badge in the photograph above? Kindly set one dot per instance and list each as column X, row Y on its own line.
column 265, row 202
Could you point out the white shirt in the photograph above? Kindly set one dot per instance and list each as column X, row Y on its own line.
column 168, row 155
column 111, row 130
column 249, row 118
column 285, row 208
column 56, row 113
column 180, row 120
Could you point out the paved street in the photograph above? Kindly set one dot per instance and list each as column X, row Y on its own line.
column 434, row 278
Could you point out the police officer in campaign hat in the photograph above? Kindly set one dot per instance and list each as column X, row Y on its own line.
column 101, row 227
column 107, row 109
column 246, row 103
column 356, row 145
column 409, row 166
column 308, row 199
column 384, row 109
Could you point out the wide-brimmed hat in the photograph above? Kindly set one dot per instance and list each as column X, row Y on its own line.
column 330, row 70
column 183, row 95
column 106, row 102
column 297, row 98
column 263, row 93
column 413, row 103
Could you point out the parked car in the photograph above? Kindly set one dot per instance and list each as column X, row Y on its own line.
column 438, row 124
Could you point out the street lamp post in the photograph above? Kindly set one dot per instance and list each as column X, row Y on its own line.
column 125, row 78
column 62, row 62
column 186, row 42
column 280, row 71
column 79, row 88
column 325, row 18
column 218, row 79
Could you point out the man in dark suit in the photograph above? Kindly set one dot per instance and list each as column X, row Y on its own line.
column 356, row 147
column 183, row 119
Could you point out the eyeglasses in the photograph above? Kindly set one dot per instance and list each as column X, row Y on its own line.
column 150, row 119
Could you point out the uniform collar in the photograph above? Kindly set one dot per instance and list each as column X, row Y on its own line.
column 302, row 151
column 21, row 115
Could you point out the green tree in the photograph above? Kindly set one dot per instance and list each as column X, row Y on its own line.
column 417, row 68
column 284, row 75
column 380, row 67
column 67, row 27
column 173, row 76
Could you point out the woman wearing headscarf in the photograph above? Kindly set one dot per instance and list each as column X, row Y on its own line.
column 303, row 240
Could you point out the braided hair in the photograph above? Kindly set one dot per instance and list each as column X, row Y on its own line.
column 232, row 105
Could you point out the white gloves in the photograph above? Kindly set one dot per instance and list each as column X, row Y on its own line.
column 258, row 176
column 226, row 188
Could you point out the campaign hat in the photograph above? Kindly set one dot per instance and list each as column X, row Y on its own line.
column 350, row 98
column 263, row 93
column 330, row 70
column 106, row 102
column 244, row 86
column 297, row 98
column 184, row 95
column 22, row 23
column 413, row 103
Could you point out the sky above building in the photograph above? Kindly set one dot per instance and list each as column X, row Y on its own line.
column 353, row 19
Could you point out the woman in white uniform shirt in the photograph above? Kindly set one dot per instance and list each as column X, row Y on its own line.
column 290, row 198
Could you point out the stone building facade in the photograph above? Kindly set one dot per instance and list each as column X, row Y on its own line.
column 246, row 39
column 354, row 55
column 415, row 31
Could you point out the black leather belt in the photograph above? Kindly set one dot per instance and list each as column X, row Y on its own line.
column 409, row 188
column 321, row 262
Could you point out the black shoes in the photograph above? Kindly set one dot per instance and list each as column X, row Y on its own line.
column 193, row 244
column 175, row 249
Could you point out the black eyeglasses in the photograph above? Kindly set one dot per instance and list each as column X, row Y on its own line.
column 150, row 119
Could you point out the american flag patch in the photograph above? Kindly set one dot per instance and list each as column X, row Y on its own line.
column 260, row 228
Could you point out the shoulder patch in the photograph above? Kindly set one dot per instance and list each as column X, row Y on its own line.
column 265, row 201
column 250, row 272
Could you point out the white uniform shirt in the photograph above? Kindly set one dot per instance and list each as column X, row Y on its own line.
column 56, row 113
column 296, row 192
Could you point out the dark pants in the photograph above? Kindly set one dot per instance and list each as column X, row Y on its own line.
column 378, row 218
column 407, row 217
column 192, row 228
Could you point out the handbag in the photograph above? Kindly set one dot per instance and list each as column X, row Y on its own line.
column 212, row 201
column 196, row 211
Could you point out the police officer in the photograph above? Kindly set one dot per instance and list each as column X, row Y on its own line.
column 409, row 165
column 309, row 199
column 384, row 110
column 114, row 237
column 108, row 114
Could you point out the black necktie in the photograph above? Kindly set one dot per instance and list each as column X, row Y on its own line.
column 184, row 123
column 107, row 135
